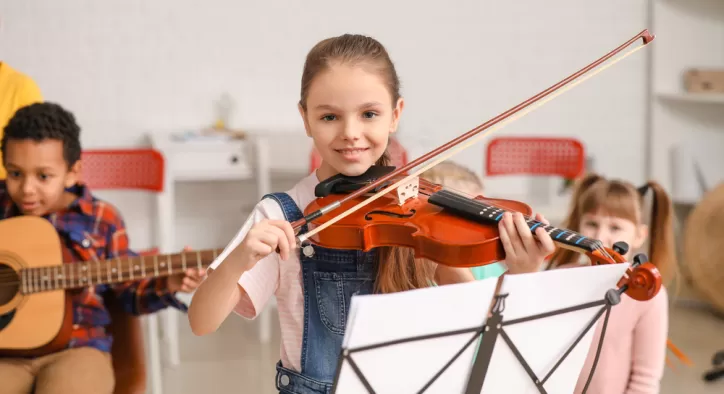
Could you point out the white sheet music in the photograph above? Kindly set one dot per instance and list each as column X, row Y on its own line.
column 407, row 367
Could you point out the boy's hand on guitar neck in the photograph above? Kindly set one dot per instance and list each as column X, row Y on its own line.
column 524, row 253
column 186, row 282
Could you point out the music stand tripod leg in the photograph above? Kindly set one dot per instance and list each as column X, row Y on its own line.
column 494, row 328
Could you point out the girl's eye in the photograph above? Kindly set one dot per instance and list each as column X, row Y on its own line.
column 329, row 118
column 369, row 114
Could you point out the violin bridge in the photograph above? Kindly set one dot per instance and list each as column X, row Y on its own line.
column 408, row 190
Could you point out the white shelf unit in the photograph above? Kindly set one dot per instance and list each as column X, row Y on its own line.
column 703, row 98
column 689, row 34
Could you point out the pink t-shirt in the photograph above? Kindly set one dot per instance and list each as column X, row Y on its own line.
column 633, row 355
column 273, row 277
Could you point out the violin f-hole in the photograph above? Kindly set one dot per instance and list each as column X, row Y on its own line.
column 391, row 214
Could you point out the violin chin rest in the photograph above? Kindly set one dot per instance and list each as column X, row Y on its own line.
column 343, row 184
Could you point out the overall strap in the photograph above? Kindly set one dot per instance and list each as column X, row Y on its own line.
column 289, row 207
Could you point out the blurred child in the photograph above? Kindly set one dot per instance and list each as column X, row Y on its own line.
column 458, row 178
column 41, row 151
column 633, row 355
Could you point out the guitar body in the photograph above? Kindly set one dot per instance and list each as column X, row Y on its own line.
column 39, row 323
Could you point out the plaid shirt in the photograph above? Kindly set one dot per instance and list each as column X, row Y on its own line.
column 91, row 229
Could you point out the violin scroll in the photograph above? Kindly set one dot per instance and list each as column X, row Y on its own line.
column 642, row 281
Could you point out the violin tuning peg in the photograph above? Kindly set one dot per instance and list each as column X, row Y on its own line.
column 613, row 297
column 640, row 259
column 620, row 247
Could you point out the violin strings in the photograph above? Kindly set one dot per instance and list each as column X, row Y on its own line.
column 470, row 201
column 465, row 145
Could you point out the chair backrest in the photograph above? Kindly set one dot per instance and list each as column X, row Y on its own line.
column 398, row 155
column 564, row 157
column 141, row 169
column 128, row 354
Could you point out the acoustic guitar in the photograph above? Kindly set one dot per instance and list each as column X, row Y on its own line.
column 36, row 315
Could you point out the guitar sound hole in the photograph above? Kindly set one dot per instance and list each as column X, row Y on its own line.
column 9, row 284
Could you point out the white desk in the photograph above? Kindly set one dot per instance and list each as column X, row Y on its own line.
column 260, row 156
column 190, row 161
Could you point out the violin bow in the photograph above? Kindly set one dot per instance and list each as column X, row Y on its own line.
column 498, row 122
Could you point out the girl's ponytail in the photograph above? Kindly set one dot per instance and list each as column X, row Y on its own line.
column 661, row 231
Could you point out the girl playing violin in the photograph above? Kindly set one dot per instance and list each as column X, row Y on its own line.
column 350, row 104
column 633, row 354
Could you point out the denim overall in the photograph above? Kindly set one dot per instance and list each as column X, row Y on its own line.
column 330, row 278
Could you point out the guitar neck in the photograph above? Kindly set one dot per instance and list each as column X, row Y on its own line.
column 116, row 270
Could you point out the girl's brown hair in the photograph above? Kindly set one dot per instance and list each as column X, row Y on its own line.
column 397, row 269
column 618, row 198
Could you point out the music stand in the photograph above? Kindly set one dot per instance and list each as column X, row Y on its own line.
column 536, row 334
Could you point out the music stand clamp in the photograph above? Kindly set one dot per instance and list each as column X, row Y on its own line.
column 494, row 328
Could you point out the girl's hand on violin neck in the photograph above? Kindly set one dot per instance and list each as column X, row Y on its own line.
column 264, row 238
column 523, row 252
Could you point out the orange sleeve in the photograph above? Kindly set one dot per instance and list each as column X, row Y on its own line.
column 19, row 90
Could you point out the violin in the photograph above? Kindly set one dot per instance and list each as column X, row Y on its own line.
column 448, row 227
column 388, row 206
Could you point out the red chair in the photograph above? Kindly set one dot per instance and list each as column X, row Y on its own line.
column 565, row 157
column 137, row 169
column 398, row 155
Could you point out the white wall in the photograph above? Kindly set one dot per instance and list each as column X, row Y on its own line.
column 690, row 35
column 128, row 67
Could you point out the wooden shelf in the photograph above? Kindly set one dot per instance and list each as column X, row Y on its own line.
column 711, row 98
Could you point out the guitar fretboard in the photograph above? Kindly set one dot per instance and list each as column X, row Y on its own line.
column 116, row 270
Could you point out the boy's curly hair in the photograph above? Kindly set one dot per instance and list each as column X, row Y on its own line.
column 41, row 121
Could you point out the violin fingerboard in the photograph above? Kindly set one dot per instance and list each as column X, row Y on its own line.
column 480, row 212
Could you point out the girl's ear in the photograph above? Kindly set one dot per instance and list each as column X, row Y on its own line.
column 396, row 113
column 304, row 119
column 642, row 233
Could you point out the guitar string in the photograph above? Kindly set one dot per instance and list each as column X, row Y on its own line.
column 126, row 267
column 461, row 147
column 127, row 263
column 130, row 267
column 74, row 280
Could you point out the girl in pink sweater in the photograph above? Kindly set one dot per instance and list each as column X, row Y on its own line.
column 633, row 355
